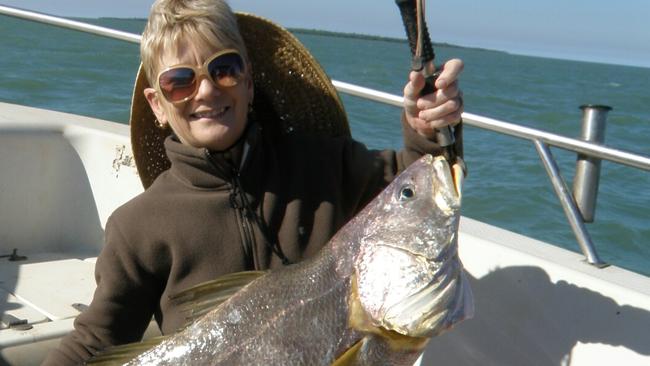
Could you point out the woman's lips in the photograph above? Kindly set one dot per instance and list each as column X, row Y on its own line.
column 212, row 113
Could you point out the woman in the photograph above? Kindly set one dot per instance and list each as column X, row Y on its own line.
column 250, row 185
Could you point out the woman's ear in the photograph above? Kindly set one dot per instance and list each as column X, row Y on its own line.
column 155, row 104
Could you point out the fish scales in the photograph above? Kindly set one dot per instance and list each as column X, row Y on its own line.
column 264, row 323
column 387, row 281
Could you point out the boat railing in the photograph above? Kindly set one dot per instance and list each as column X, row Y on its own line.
column 592, row 152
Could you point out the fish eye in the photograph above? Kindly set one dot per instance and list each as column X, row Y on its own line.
column 406, row 193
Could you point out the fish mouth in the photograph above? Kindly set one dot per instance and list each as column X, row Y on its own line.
column 458, row 175
column 448, row 181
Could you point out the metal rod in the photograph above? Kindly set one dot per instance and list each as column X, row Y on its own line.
column 369, row 94
column 587, row 148
column 69, row 24
column 599, row 151
column 583, row 147
column 570, row 209
column 585, row 181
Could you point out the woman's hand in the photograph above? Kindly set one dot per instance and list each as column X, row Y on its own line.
column 434, row 111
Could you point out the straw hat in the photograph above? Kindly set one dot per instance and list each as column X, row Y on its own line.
column 291, row 89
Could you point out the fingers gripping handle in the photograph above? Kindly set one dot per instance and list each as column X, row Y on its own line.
column 424, row 61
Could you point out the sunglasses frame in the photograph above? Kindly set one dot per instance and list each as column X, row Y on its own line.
column 201, row 72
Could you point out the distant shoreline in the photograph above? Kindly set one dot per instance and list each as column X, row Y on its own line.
column 369, row 37
column 327, row 33
column 319, row 32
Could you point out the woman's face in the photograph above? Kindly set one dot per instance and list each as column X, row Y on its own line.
column 215, row 117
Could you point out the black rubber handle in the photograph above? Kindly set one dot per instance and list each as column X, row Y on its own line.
column 409, row 17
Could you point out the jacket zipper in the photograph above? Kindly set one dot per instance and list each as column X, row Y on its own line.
column 241, row 212
column 246, row 217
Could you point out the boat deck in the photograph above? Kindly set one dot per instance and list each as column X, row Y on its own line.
column 62, row 176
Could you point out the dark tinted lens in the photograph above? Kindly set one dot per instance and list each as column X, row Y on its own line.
column 226, row 69
column 177, row 84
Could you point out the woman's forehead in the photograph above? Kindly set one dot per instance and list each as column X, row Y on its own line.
column 194, row 52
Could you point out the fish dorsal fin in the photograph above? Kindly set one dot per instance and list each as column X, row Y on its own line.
column 198, row 300
column 119, row 355
column 349, row 357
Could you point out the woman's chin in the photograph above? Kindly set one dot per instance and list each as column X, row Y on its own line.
column 218, row 138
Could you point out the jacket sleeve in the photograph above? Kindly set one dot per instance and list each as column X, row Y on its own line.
column 367, row 172
column 122, row 305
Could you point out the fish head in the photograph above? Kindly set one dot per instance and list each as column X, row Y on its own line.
column 409, row 278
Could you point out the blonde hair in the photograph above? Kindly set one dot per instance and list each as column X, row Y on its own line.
column 206, row 22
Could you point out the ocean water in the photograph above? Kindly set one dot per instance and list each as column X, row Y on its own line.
column 63, row 70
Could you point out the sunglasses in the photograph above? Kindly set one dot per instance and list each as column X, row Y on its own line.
column 180, row 83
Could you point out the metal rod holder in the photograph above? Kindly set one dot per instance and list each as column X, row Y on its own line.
column 569, row 206
column 585, row 182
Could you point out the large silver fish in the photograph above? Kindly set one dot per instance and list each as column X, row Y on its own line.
column 387, row 281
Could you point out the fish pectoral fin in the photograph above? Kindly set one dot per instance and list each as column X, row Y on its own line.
column 198, row 300
column 119, row 355
column 351, row 356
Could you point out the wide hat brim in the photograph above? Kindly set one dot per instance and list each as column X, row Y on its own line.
column 292, row 94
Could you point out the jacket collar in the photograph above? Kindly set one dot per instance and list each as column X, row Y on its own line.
column 202, row 168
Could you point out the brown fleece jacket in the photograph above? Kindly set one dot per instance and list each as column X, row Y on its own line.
column 190, row 227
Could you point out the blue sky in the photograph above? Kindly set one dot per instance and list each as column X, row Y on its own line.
column 591, row 30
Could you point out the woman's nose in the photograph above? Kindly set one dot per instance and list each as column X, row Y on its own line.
column 207, row 88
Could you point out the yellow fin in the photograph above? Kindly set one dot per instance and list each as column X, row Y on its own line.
column 204, row 297
column 349, row 357
column 195, row 302
column 119, row 355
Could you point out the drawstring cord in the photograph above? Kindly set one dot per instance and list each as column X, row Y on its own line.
column 273, row 245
